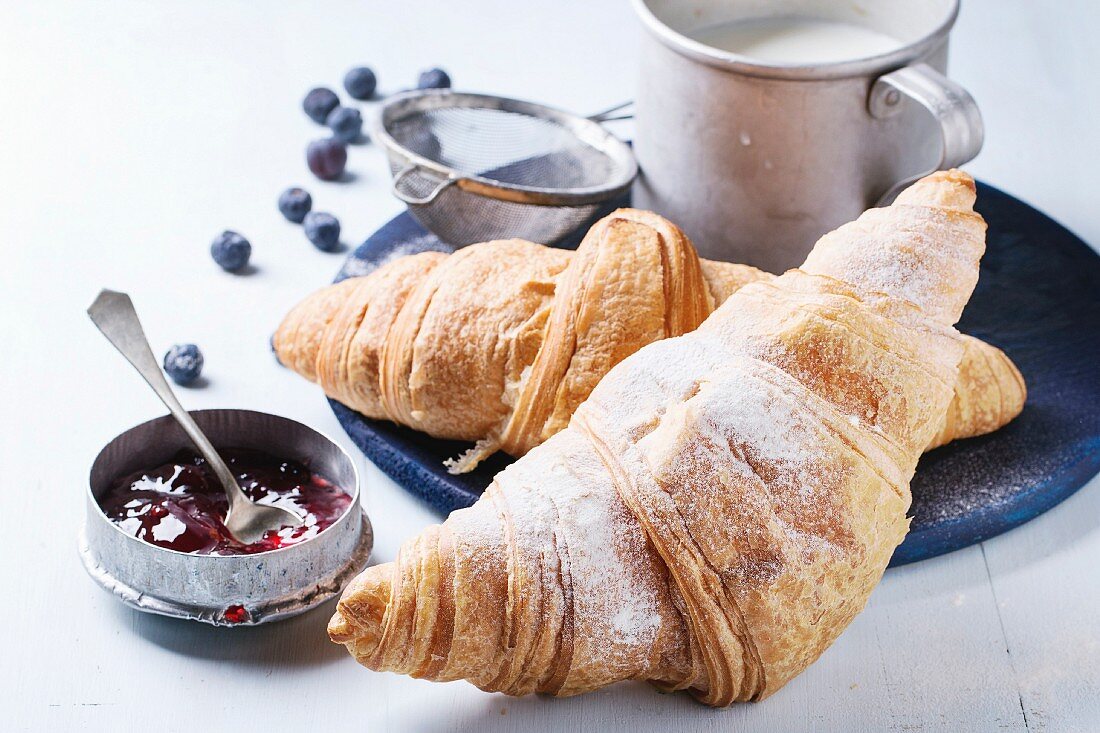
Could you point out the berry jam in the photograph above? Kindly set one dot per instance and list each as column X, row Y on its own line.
column 181, row 506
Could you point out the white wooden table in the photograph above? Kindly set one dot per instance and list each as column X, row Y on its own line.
column 133, row 132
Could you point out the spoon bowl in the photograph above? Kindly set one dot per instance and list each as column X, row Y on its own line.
column 250, row 523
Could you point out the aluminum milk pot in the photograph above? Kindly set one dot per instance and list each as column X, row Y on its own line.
column 755, row 160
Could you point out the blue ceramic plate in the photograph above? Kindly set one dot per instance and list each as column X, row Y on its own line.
column 1038, row 298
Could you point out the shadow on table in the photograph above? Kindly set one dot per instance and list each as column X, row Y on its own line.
column 637, row 707
column 298, row 642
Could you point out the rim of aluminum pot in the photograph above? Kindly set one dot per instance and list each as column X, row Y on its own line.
column 749, row 66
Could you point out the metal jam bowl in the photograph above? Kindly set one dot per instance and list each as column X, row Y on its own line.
column 224, row 590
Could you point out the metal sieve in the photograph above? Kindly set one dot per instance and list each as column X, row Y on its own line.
column 475, row 167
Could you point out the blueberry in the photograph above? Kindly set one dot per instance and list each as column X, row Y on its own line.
column 346, row 123
column 327, row 158
column 319, row 102
column 433, row 79
column 230, row 250
column 183, row 363
column 323, row 230
column 360, row 82
column 295, row 203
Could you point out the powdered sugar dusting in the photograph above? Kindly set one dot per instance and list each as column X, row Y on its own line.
column 764, row 456
column 605, row 560
column 899, row 251
column 748, row 442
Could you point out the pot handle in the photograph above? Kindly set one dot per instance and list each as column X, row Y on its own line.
column 948, row 102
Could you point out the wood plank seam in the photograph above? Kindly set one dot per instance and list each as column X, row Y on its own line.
column 1004, row 637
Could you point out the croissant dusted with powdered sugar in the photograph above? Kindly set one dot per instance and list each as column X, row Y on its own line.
column 499, row 342
column 721, row 506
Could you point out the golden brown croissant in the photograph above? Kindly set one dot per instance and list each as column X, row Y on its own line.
column 721, row 506
column 499, row 342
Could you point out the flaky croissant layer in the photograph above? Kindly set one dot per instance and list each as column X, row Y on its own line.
column 721, row 506
column 500, row 342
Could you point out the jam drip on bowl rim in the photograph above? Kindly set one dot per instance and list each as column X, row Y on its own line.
column 181, row 506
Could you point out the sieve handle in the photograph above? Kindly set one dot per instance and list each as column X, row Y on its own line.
column 608, row 115
column 418, row 200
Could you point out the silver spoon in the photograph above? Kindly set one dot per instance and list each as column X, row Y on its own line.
column 113, row 313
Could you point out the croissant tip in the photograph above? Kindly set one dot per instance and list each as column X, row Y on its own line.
column 360, row 614
column 951, row 177
column 958, row 175
column 627, row 214
column 278, row 343
column 340, row 630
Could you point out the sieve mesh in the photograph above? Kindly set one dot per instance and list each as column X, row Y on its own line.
column 499, row 168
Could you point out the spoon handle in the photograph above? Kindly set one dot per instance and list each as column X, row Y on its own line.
column 113, row 313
